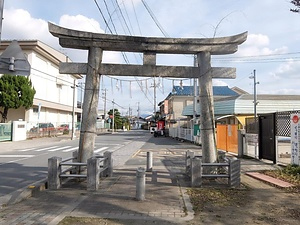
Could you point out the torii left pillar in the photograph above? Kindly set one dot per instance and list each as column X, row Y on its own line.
column 90, row 104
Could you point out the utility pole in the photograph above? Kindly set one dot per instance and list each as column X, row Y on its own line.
column 138, row 119
column 255, row 102
column 195, row 96
column 73, row 111
column 154, row 85
column 81, row 99
column 1, row 16
column 113, row 119
column 104, row 101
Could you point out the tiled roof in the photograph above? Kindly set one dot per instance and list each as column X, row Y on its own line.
column 189, row 91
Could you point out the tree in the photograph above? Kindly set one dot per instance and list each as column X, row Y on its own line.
column 15, row 92
column 117, row 119
column 297, row 4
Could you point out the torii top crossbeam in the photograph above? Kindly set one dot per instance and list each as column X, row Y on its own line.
column 82, row 40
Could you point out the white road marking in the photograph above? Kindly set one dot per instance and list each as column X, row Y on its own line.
column 45, row 149
column 100, row 149
column 56, row 149
column 70, row 149
column 27, row 149
column 16, row 156
column 106, row 144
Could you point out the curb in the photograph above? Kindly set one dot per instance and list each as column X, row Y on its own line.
column 187, row 203
column 23, row 193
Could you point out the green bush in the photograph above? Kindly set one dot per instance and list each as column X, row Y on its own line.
column 293, row 170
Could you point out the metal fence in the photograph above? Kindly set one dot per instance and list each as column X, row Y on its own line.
column 182, row 133
column 5, row 132
column 283, row 123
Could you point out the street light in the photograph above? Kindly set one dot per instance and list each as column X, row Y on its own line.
column 255, row 102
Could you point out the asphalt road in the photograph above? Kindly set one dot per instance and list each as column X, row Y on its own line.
column 26, row 162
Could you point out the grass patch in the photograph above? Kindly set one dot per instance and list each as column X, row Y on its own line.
column 290, row 174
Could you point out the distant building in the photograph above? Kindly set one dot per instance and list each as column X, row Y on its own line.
column 54, row 98
column 182, row 96
column 235, row 109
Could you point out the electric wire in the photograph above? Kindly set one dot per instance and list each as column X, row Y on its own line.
column 155, row 19
column 137, row 21
column 105, row 21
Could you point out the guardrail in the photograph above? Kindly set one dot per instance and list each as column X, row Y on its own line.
column 96, row 167
column 227, row 168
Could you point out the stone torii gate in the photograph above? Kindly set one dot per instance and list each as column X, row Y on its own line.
column 96, row 43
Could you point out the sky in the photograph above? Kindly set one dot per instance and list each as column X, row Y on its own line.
column 272, row 48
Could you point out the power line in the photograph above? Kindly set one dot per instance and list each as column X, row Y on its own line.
column 123, row 17
column 154, row 19
column 110, row 18
column 103, row 16
column 257, row 56
column 136, row 17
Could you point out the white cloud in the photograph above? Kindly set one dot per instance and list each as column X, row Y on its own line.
column 257, row 40
column 259, row 45
column 80, row 22
column 288, row 70
column 217, row 82
column 18, row 24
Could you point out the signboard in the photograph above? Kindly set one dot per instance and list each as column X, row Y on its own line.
column 166, row 107
column 13, row 61
column 295, row 138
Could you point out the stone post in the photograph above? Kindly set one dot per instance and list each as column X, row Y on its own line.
column 140, row 183
column 196, row 169
column 241, row 135
column 149, row 161
column 108, row 162
column 93, row 174
column 54, row 170
column 188, row 158
column 234, row 172
column 90, row 104
column 207, row 121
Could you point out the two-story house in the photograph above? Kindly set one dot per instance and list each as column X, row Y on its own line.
column 56, row 94
column 181, row 96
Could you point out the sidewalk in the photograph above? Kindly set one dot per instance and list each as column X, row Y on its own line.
column 166, row 199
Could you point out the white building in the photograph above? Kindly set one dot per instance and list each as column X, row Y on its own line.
column 55, row 95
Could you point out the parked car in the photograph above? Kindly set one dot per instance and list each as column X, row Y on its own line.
column 42, row 127
column 63, row 127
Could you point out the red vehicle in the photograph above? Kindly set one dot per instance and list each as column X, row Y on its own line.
column 42, row 127
column 160, row 131
column 63, row 127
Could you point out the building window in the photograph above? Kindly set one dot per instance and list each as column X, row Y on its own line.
column 35, row 110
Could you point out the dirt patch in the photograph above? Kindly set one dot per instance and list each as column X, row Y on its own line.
column 262, row 205
column 250, row 204
column 100, row 221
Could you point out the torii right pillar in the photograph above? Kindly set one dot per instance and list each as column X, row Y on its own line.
column 207, row 121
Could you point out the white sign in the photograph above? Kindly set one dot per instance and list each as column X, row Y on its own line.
column 295, row 138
